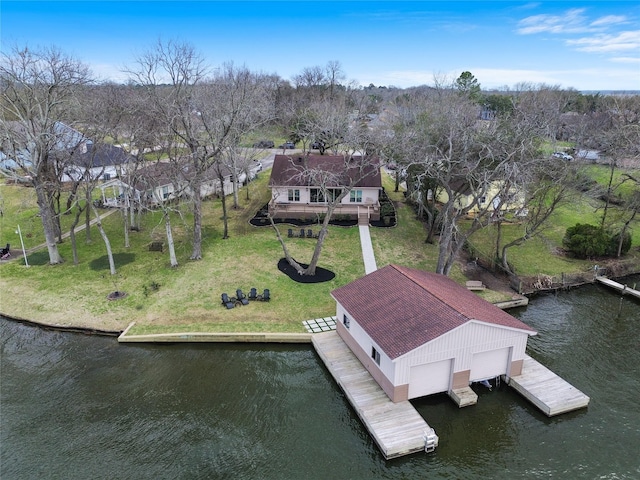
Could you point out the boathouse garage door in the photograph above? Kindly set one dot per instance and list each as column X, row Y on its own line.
column 429, row 378
column 491, row 364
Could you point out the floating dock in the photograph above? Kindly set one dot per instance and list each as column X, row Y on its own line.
column 397, row 428
column 546, row 390
column 618, row 286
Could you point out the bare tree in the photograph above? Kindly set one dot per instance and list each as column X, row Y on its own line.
column 551, row 185
column 203, row 114
column 479, row 166
column 39, row 90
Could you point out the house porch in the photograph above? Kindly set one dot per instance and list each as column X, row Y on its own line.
column 360, row 211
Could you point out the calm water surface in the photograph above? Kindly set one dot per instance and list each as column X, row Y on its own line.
column 82, row 407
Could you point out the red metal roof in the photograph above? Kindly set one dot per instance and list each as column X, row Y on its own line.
column 299, row 170
column 402, row 308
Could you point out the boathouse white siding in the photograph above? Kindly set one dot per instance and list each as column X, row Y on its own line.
column 433, row 347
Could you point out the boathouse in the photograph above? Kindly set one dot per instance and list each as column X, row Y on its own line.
column 419, row 333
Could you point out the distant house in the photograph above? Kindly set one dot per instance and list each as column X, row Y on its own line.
column 420, row 333
column 490, row 199
column 150, row 185
column 97, row 161
column 297, row 186
column 159, row 182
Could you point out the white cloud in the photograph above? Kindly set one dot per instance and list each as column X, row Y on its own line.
column 630, row 60
column 571, row 21
column 620, row 42
column 609, row 20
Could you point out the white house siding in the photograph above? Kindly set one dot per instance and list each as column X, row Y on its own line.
column 462, row 344
column 365, row 342
column 281, row 195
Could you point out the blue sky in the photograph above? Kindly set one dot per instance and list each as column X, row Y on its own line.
column 586, row 45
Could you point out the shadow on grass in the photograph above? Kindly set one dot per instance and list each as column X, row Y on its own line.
column 37, row 258
column 119, row 259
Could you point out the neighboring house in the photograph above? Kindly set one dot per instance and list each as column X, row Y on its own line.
column 16, row 156
column 489, row 200
column 156, row 183
column 150, row 186
column 101, row 161
column 420, row 333
column 296, row 191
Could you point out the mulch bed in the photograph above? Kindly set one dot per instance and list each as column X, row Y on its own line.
column 322, row 274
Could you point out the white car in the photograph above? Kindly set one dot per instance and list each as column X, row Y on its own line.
column 562, row 155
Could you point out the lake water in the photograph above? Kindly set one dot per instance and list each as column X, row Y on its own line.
column 84, row 407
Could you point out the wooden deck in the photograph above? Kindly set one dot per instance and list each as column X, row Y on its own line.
column 546, row 390
column 618, row 286
column 397, row 428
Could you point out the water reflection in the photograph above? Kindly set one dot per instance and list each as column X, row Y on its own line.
column 76, row 406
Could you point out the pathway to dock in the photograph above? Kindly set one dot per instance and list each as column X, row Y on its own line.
column 546, row 390
column 397, row 428
column 367, row 249
column 618, row 286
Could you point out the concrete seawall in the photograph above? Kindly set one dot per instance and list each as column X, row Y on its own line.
column 194, row 337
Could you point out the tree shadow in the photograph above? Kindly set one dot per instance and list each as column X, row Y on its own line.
column 120, row 259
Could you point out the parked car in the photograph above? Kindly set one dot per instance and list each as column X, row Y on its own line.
column 317, row 145
column 258, row 166
column 562, row 155
column 289, row 145
column 263, row 144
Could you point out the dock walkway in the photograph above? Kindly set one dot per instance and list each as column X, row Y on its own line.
column 546, row 390
column 397, row 428
column 618, row 286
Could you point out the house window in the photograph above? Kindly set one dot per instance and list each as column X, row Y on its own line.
column 375, row 354
column 165, row 193
column 106, row 176
column 355, row 196
column 294, row 195
column 317, row 195
column 346, row 321
column 483, row 199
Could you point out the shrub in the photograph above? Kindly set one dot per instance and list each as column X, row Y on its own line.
column 584, row 240
column 615, row 240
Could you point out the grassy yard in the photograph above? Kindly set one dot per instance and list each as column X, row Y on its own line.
column 187, row 298
column 543, row 254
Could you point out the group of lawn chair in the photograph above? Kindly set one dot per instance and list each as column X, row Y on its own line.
column 242, row 299
column 302, row 234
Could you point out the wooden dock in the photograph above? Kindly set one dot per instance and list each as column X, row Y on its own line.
column 546, row 390
column 618, row 286
column 397, row 428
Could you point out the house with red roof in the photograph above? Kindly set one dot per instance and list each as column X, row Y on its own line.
column 302, row 185
column 419, row 333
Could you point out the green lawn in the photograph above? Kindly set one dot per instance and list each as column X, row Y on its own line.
column 187, row 298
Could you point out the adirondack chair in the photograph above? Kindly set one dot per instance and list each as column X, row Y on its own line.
column 253, row 294
column 227, row 302
column 241, row 297
column 266, row 295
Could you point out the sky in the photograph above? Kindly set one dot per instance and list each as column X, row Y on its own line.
column 584, row 45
